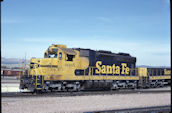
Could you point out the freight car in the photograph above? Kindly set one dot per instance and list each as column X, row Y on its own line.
column 74, row 69
column 9, row 72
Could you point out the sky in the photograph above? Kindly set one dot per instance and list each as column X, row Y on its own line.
column 138, row 27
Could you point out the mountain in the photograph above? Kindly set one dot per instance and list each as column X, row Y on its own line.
column 18, row 61
column 13, row 61
column 146, row 66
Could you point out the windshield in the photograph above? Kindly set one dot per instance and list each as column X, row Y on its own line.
column 51, row 54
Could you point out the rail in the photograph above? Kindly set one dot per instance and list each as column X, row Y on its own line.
column 154, row 109
column 84, row 93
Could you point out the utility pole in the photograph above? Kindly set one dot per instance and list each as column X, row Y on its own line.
column 0, row 26
column 25, row 62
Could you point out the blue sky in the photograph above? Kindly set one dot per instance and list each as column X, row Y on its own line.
column 138, row 27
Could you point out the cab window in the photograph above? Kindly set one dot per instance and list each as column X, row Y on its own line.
column 52, row 55
column 60, row 55
column 69, row 57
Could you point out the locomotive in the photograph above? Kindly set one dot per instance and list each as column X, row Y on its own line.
column 75, row 69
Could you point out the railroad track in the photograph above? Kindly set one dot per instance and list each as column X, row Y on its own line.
column 81, row 93
column 155, row 109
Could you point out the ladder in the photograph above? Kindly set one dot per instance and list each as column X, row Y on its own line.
column 39, row 80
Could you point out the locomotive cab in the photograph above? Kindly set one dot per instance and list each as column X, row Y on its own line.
column 55, row 57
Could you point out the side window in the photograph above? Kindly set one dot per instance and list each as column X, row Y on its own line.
column 60, row 55
column 69, row 57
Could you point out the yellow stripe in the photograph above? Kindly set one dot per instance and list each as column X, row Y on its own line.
column 159, row 77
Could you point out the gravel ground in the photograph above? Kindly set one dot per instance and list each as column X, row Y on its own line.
column 158, row 88
column 79, row 104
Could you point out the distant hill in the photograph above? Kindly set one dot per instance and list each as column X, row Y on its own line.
column 17, row 62
column 153, row 66
column 12, row 61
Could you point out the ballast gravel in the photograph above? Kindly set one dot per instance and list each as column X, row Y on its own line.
column 79, row 104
